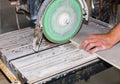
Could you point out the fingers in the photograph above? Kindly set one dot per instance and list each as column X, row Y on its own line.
column 86, row 42
column 92, row 46
column 96, row 43
column 95, row 49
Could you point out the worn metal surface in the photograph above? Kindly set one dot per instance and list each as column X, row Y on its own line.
column 40, row 66
column 19, row 43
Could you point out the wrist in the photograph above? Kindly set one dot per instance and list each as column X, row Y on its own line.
column 114, row 37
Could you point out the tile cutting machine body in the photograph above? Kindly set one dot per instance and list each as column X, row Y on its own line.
column 59, row 21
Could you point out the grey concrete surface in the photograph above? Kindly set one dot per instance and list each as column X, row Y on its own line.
column 118, row 13
column 0, row 17
column 8, row 17
column 3, row 80
column 8, row 23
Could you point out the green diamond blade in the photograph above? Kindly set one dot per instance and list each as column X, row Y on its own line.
column 62, row 20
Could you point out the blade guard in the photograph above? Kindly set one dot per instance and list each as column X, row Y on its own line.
column 42, row 12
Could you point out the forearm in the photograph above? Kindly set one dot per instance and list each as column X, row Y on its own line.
column 115, row 33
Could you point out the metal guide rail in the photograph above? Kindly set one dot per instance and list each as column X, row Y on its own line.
column 51, row 62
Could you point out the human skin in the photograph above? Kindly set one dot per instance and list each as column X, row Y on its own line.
column 98, row 42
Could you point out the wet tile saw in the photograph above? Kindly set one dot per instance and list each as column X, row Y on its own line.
column 59, row 21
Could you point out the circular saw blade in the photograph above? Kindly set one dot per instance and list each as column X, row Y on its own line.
column 62, row 20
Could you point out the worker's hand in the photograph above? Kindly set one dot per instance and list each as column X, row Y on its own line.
column 98, row 42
